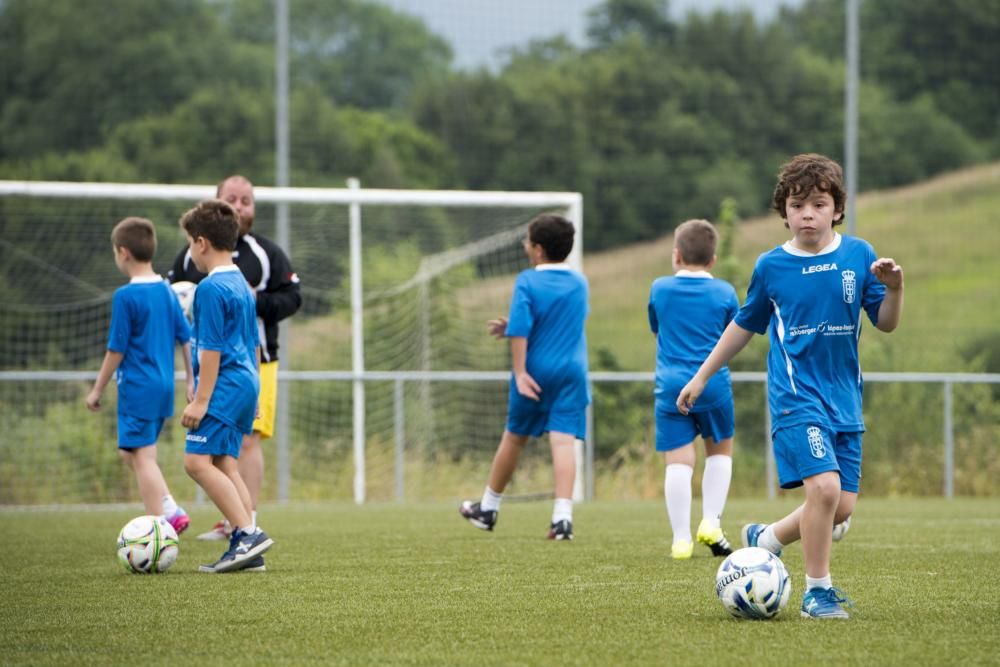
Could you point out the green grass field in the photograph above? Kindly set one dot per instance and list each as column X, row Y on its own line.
column 415, row 585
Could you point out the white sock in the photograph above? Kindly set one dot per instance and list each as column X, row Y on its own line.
column 253, row 522
column 491, row 500
column 715, row 487
column 677, row 494
column 821, row 582
column 562, row 509
column 169, row 505
column 767, row 540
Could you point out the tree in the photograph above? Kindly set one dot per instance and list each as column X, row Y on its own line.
column 71, row 72
column 357, row 53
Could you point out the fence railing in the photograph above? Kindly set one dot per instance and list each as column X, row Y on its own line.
column 400, row 378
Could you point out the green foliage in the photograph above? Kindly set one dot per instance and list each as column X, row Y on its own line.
column 72, row 72
column 359, row 54
column 945, row 51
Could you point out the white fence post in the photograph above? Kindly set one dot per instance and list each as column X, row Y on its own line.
column 949, row 443
column 399, row 428
column 357, row 347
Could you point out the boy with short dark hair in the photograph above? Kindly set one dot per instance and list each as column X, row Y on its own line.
column 226, row 359
column 810, row 292
column 549, row 391
column 268, row 271
column 146, row 323
column 688, row 311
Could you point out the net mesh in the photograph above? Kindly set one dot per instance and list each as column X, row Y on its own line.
column 432, row 276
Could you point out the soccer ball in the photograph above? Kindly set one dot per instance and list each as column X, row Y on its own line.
column 147, row 544
column 753, row 583
column 185, row 294
column 841, row 529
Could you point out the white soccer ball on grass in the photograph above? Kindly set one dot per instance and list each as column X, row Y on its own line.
column 147, row 545
column 753, row 583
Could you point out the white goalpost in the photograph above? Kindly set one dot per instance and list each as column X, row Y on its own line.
column 418, row 272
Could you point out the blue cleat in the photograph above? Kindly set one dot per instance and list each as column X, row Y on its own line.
column 825, row 603
column 751, row 533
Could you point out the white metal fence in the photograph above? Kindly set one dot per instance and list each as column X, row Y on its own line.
column 401, row 378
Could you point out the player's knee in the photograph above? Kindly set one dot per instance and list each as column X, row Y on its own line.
column 194, row 466
column 825, row 489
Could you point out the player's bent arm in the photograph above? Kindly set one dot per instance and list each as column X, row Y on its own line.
column 890, row 310
column 108, row 367
column 526, row 385
column 733, row 339
column 277, row 304
column 188, row 371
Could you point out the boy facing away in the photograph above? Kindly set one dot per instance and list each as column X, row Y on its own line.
column 548, row 390
column 688, row 312
column 811, row 292
column 146, row 322
column 226, row 356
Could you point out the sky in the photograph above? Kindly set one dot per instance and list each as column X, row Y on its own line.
column 479, row 29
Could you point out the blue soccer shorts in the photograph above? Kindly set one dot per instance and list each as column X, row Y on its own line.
column 674, row 430
column 528, row 417
column 215, row 438
column 805, row 450
column 134, row 432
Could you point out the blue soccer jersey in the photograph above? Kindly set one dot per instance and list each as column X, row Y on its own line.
column 549, row 308
column 813, row 305
column 688, row 312
column 146, row 323
column 225, row 321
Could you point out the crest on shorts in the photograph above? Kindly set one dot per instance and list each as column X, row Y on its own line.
column 816, row 446
column 850, row 285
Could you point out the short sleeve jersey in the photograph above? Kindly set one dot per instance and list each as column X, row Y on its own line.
column 549, row 307
column 225, row 322
column 688, row 313
column 812, row 305
column 146, row 323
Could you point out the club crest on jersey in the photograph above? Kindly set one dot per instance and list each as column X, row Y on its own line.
column 816, row 446
column 817, row 268
column 850, row 285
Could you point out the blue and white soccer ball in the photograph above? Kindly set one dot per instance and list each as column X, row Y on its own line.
column 147, row 544
column 753, row 583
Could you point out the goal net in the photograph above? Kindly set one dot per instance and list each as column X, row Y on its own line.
column 390, row 387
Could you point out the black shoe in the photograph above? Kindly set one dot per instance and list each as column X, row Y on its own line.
column 482, row 519
column 713, row 538
column 561, row 530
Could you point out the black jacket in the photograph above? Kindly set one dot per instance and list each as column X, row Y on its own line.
column 268, row 271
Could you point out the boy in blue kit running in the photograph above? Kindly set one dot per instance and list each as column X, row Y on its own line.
column 226, row 358
column 146, row 323
column 811, row 292
column 548, row 390
column 688, row 312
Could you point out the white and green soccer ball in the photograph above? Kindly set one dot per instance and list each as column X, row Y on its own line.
column 147, row 545
column 753, row 583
